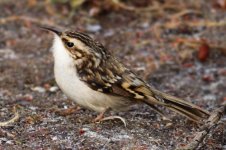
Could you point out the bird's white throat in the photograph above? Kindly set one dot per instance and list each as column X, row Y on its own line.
column 60, row 53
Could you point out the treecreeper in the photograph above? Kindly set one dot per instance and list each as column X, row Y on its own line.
column 91, row 76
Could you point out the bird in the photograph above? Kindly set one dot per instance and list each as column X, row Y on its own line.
column 88, row 73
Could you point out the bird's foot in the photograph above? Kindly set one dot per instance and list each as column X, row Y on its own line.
column 101, row 118
column 114, row 117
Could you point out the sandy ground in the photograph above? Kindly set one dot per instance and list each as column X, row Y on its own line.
column 47, row 119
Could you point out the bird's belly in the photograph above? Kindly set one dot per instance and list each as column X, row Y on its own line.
column 78, row 91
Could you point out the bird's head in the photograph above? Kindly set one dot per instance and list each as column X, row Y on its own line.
column 78, row 44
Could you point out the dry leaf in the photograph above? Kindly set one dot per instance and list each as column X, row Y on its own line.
column 31, row 3
column 76, row 3
column 203, row 52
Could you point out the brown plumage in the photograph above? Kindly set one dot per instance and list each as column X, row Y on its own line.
column 112, row 81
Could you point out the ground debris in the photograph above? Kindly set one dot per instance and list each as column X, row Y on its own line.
column 209, row 125
column 14, row 119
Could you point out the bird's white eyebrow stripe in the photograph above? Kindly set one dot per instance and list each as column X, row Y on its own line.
column 85, row 39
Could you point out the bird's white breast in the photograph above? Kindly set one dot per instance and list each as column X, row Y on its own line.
column 67, row 78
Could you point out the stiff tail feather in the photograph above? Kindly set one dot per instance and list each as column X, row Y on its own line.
column 183, row 107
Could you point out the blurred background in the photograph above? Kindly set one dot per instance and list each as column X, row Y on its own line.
column 178, row 46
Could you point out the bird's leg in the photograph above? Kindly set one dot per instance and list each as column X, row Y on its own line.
column 101, row 117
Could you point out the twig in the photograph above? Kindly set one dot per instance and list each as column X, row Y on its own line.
column 196, row 43
column 183, row 13
column 207, row 23
column 28, row 19
column 14, row 119
column 209, row 125
column 174, row 24
column 156, row 7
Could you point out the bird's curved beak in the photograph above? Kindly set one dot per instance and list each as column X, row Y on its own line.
column 52, row 29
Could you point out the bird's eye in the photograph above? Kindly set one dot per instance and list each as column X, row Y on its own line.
column 70, row 44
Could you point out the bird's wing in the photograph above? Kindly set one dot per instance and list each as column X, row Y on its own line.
column 113, row 78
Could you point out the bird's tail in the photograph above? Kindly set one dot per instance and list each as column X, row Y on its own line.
column 185, row 108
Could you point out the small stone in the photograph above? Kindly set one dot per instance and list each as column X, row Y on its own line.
column 7, row 54
column 54, row 138
column 53, row 89
column 39, row 89
column 145, row 25
column 93, row 28
column 109, row 33
column 9, row 142
column 169, row 124
column 28, row 97
column 33, row 108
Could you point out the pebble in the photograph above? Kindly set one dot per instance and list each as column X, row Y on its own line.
column 43, row 90
column 9, row 142
column 33, row 108
column 210, row 97
column 39, row 89
column 109, row 33
column 7, row 54
column 53, row 89
column 145, row 25
column 54, row 138
column 93, row 28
